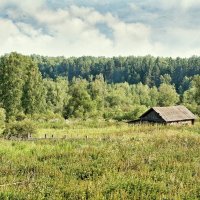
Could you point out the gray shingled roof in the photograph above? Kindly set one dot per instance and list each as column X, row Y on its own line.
column 173, row 113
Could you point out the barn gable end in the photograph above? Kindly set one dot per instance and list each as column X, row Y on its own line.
column 152, row 116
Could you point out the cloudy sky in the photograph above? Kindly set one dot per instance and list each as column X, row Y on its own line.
column 100, row 27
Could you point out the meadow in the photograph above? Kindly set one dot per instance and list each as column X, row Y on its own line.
column 103, row 161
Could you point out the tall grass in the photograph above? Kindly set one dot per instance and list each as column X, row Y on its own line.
column 115, row 162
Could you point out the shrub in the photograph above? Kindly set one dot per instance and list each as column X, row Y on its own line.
column 2, row 117
column 135, row 113
column 19, row 130
column 20, row 117
column 47, row 117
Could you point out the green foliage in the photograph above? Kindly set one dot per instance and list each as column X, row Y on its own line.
column 20, row 117
column 19, row 130
column 109, row 88
column 2, row 117
column 57, row 94
column 80, row 104
column 143, row 92
column 167, row 95
column 135, row 113
column 33, row 98
column 21, row 86
column 191, row 96
column 138, row 111
column 12, row 77
column 166, row 78
column 197, row 89
column 48, row 120
column 149, row 70
column 45, row 117
column 98, row 91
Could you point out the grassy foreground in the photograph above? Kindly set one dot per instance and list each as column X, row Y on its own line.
column 112, row 162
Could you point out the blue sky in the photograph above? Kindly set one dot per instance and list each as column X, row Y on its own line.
column 100, row 27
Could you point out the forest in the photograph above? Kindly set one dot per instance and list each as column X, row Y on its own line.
column 119, row 88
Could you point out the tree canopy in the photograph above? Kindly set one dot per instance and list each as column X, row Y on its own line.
column 118, row 87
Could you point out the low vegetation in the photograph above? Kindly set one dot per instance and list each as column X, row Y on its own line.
column 109, row 161
column 16, row 130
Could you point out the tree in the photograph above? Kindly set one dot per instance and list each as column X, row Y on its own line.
column 166, row 78
column 143, row 93
column 22, row 129
column 21, row 86
column 98, row 91
column 153, row 93
column 56, row 94
column 167, row 95
column 33, row 98
column 12, row 75
column 2, row 117
column 197, row 89
column 80, row 104
column 192, row 95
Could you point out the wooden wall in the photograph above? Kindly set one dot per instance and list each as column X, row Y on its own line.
column 152, row 116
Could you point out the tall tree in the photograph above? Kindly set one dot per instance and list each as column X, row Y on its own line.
column 56, row 94
column 12, row 75
column 80, row 104
column 192, row 95
column 33, row 98
column 197, row 89
column 21, row 85
column 98, row 91
column 167, row 95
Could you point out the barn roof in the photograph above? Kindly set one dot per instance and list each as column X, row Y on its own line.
column 172, row 113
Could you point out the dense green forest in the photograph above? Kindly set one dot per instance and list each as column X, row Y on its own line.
column 148, row 70
column 88, row 87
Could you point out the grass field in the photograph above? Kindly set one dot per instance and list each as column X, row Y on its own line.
column 113, row 161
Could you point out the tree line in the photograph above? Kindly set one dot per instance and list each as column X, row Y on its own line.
column 148, row 70
column 87, row 87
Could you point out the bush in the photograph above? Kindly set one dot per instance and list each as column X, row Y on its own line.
column 19, row 130
column 48, row 120
column 2, row 117
column 47, row 117
column 135, row 113
column 20, row 117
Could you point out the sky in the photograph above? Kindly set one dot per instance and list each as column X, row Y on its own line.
column 100, row 27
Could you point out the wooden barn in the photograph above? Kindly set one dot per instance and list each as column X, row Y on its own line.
column 167, row 115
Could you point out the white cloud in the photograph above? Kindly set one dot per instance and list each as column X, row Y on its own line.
column 21, row 37
column 182, row 41
column 179, row 4
column 28, row 5
column 73, row 31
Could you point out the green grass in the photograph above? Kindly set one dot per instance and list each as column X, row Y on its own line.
column 114, row 162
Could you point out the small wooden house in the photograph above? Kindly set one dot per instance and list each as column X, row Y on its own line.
column 168, row 115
